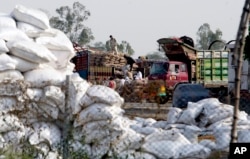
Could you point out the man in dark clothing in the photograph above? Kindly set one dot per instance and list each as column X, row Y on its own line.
column 130, row 61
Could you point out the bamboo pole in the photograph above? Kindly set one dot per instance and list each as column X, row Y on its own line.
column 238, row 54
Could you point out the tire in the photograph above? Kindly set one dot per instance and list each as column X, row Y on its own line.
column 162, row 99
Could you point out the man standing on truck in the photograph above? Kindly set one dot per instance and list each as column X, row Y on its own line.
column 113, row 45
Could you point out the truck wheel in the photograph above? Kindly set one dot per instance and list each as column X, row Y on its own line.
column 162, row 99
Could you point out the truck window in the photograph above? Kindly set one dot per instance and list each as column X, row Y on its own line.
column 183, row 68
column 159, row 68
column 174, row 68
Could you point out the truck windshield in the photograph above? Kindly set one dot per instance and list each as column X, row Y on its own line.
column 159, row 68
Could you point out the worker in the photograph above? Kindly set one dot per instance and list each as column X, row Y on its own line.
column 113, row 45
column 112, row 83
column 138, row 76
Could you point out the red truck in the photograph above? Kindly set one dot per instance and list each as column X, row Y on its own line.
column 189, row 65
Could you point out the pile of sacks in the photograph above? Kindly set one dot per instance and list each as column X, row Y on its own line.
column 138, row 90
column 107, row 59
column 34, row 62
column 40, row 107
column 213, row 118
column 132, row 90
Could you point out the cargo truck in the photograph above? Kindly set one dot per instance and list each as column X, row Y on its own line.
column 189, row 65
column 86, row 67
column 97, row 66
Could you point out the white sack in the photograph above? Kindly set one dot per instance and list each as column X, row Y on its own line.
column 51, row 111
column 164, row 149
column 175, row 126
column 7, row 104
column 97, row 111
column 191, row 133
column 118, row 124
column 9, row 122
column 223, row 111
column 222, row 137
column 208, row 143
column 130, row 140
column 14, row 137
column 173, row 115
column 3, row 145
column 77, row 90
column 6, row 62
column 68, row 70
column 63, row 59
column 132, row 154
column 24, row 65
column 52, row 155
column 57, row 42
column 144, row 130
column 3, row 47
column 77, row 146
column 103, row 94
column 193, row 151
column 244, row 136
column 30, row 30
column 54, row 96
column 11, row 75
column 7, row 21
column 171, row 135
column 100, row 148
column 98, row 130
column 45, row 132
column 44, row 77
column 160, row 124
column 13, row 34
column 30, row 51
column 34, row 94
column 189, row 115
column 29, row 117
column 149, row 122
column 86, row 101
column 32, row 16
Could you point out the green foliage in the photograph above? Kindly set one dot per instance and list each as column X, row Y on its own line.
column 124, row 47
column 71, row 22
column 205, row 36
column 10, row 153
column 100, row 46
column 156, row 55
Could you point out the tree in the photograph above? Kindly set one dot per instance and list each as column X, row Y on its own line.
column 156, row 55
column 124, row 47
column 100, row 45
column 205, row 36
column 71, row 22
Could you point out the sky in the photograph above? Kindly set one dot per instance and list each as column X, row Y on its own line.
column 142, row 22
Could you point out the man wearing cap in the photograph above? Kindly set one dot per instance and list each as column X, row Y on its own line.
column 113, row 45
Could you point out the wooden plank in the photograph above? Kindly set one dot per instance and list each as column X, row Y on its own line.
column 146, row 105
column 147, row 110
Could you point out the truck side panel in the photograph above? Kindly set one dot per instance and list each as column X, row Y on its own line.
column 100, row 72
column 212, row 68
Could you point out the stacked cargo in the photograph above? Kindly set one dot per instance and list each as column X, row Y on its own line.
column 98, row 65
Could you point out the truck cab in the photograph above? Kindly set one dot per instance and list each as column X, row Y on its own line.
column 171, row 72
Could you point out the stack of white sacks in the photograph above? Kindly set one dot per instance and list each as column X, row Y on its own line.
column 35, row 103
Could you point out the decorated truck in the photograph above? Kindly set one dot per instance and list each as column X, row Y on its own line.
column 96, row 66
column 189, row 65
